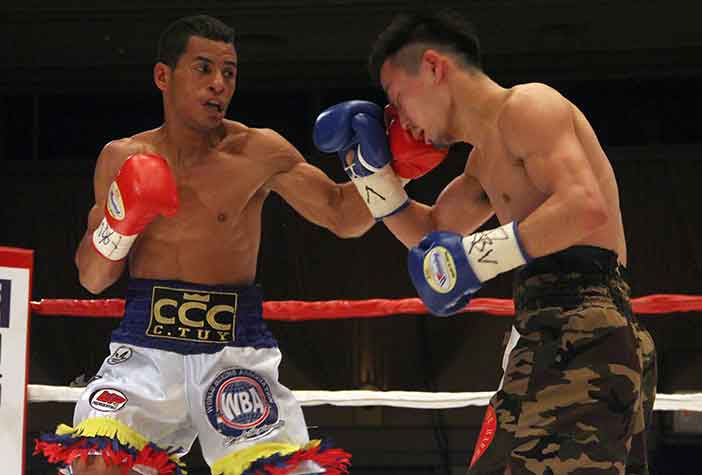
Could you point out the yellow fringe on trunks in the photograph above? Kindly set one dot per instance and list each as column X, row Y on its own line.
column 235, row 463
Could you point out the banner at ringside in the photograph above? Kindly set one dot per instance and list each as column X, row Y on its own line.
column 15, row 291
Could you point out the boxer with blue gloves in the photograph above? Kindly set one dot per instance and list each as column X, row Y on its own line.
column 579, row 375
column 446, row 268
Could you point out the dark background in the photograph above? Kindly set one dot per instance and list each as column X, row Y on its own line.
column 74, row 75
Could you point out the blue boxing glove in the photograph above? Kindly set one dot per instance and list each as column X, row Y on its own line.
column 355, row 130
column 447, row 268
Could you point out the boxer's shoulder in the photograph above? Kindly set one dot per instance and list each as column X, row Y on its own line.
column 235, row 131
column 119, row 149
column 115, row 152
column 262, row 145
column 239, row 138
column 525, row 104
column 531, row 91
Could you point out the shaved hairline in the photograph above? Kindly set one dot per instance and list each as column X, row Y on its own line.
column 409, row 56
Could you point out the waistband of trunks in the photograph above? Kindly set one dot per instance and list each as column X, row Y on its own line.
column 190, row 318
column 573, row 260
column 571, row 277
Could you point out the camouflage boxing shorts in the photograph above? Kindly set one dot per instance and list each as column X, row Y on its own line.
column 580, row 374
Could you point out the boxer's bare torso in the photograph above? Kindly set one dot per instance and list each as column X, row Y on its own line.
column 223, row 172
column 514, row 194
column 215, row 235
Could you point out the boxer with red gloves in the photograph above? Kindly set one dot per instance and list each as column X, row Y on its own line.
column 179, row 207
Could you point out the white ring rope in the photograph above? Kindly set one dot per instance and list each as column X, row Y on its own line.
column 408, row 399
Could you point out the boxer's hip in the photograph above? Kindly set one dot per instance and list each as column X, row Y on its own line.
column 576, row 279
column 192, row 318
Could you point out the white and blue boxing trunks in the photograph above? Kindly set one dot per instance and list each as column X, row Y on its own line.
column 187, row 361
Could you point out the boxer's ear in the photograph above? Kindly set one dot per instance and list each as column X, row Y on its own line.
column 436, row 63
column 162, row 74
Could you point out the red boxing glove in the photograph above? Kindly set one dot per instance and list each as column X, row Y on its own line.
column 143, row 189
column 411, row 158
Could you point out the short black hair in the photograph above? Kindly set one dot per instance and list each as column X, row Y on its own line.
column 174, row 39
column 444, row 30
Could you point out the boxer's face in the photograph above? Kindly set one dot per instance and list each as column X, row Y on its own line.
column 418, row 100
column 203, row 82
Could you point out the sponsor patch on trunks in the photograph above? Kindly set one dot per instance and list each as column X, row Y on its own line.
column 192, row 315
column 121, row 354
column 108, row 400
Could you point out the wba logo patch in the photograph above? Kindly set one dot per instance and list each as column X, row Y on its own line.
column 240, row 405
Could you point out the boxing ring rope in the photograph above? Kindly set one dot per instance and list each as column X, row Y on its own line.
column 296, row 310
column 293, row 310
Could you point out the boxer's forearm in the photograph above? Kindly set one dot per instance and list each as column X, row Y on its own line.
column 412, row 223
column 95, row 272
column 560, row 222
column 354, row 218
column 462, row 207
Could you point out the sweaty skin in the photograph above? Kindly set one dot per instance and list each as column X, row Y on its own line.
column 517, row 187
column 215, row 235
column 535, row 159
column 224, row 170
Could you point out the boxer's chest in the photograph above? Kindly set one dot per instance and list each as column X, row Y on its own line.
column 220, row 192
column 504, row 179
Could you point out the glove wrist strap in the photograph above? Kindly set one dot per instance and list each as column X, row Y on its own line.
column 382, row 191
column 495, row 251
column 111, row 244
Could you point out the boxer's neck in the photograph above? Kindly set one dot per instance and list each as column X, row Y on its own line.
column 477, row 101
column 190, row 146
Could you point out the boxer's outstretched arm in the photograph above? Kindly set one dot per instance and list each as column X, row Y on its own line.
column 95, row 272
column 337, row 207
column 462, row 207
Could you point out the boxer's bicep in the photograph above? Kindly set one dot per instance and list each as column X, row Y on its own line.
column 540, row 129
column 305, row 188
column 337, row 207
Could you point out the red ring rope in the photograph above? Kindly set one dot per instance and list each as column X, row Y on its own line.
column 295, row 310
